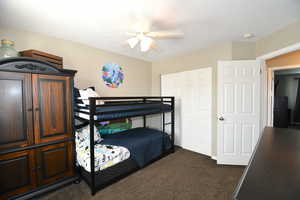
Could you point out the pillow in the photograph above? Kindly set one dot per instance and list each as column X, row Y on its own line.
column 77, row 94
column 111, row 128
column 83, row 135
column 86, row 93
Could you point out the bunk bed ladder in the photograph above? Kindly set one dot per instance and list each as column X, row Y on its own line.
column 173, row 123
column 92, row 150
column 164, row 124
column 144, row 116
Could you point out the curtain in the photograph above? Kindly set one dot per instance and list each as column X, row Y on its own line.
column 297, row 105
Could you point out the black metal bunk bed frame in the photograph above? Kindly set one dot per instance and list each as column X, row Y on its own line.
column 124, row 101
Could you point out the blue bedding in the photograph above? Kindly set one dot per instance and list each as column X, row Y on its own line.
column 144, row 144
column 123, row 111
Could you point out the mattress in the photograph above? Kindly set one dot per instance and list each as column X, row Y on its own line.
column 123, row 111
column 144, row 144
column 105, row 155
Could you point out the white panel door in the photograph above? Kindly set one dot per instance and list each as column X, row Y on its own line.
column 193, row 98
column 196, row 110
column 238, row 111
column 170, row 86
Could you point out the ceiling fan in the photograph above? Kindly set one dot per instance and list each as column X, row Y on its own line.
column 145, row 37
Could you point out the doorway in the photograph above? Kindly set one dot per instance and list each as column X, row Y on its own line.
column 284, row 97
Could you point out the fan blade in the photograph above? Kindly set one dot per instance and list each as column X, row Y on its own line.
column 133, row 42
column 165, row 34
column 146, row 43
column 131, row 34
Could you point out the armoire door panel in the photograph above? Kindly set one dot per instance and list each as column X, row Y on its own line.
column 55, row 162
column 52, row 112
column 53, row 107
column 17, row 173
column 15, row 110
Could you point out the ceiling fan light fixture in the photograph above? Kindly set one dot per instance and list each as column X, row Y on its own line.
column 248, row 35
column 133, row 42
column 146, row 43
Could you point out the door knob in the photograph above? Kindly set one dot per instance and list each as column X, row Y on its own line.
column 221, row 118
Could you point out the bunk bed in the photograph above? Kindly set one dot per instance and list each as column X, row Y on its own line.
column 127, row 143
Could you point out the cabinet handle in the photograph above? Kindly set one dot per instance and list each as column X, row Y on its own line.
column 36, row 169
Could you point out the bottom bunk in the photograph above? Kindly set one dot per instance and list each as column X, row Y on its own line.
column 120, row 154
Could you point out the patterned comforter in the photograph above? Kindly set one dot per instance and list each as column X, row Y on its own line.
column 105, row 155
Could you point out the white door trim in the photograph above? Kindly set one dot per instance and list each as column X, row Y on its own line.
column 271, row 89
column 279, row 52
column 264, row 98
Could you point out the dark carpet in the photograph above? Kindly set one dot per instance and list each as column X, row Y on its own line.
column 183, row 175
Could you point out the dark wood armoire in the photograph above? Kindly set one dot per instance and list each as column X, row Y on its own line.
column 36, row 127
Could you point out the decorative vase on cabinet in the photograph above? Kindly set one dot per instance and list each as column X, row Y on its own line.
column 7, row 49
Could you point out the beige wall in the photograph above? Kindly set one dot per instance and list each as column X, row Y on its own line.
column 88, row 61
column 243, row 50
column 195, row 60
column 285, row 37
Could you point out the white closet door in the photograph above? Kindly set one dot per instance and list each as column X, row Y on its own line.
column 170, row 86
column 196, row 110
column 192, row 91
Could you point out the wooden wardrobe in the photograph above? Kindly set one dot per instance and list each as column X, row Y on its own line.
column 36, row 127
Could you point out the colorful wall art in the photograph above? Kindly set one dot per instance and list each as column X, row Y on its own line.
column 112, row 75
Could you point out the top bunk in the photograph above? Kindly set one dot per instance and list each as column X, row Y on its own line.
column 110, row 108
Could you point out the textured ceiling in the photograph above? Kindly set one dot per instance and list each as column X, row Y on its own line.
column 103, row 24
